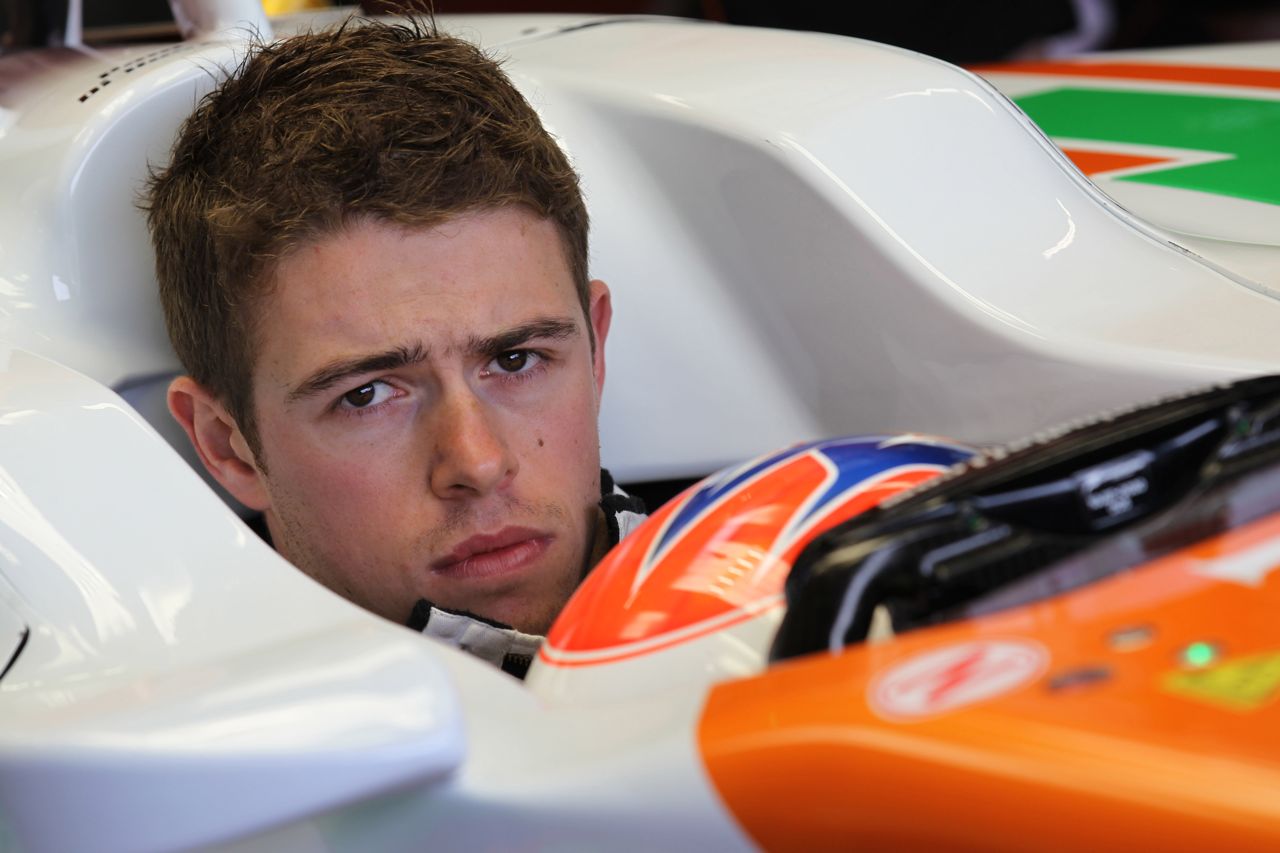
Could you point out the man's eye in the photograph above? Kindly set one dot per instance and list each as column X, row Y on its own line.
column 369, row 394
column 515, row 361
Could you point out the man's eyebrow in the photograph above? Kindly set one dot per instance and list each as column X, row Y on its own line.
column 334, row 372
column 556, row 328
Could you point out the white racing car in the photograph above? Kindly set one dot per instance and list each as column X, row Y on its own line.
column 806, row 236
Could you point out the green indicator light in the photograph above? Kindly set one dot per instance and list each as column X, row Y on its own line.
column 1199, row 654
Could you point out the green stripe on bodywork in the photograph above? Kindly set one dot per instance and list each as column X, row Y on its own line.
column 1246, row 128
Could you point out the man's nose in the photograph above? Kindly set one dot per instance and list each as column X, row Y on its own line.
column 471, row 455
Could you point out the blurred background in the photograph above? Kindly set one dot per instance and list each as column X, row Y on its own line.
column 961, row 31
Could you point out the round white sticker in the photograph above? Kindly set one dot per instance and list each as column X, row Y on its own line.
column 952, row 677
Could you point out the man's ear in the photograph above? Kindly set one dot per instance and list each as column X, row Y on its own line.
column 600, row 313
column 218, row 442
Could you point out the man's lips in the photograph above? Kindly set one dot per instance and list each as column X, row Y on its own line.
column 491, row 554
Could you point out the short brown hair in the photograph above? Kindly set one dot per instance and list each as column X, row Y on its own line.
column 395, row 122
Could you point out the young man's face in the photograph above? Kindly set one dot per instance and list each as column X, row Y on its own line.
column 427, row 403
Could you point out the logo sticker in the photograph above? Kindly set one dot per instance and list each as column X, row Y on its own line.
column 1245, row 684
column 946, row 679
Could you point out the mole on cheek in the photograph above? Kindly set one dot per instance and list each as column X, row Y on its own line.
column 539, row 442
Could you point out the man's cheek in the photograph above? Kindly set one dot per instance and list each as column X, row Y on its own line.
column 346, row 488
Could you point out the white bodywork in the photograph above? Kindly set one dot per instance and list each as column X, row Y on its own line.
column 805, row 235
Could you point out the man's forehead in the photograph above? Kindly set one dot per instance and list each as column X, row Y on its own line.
column 439, row 287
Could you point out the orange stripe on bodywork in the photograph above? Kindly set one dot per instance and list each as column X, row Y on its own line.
column 1121, row 760
column 1216, row 75
column 1097, row 162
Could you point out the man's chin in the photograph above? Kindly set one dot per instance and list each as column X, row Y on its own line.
column 520, row 615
